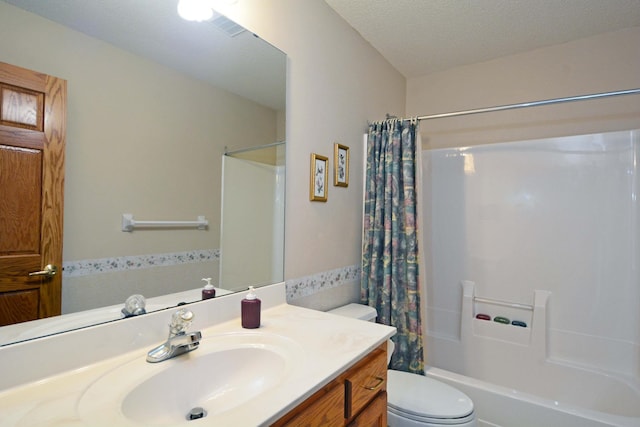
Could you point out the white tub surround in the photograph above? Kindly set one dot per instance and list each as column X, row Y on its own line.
column 544, row 233
column 52, row 393
column 559, row 215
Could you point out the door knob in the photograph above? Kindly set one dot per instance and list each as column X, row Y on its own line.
column 50, row 270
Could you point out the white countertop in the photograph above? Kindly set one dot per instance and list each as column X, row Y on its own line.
column 325, row 346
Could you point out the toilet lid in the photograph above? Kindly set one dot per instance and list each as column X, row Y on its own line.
column 421, row 396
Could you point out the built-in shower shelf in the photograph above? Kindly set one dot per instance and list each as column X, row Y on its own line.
column 499, row 331
column 474, row 330
column 502, row 310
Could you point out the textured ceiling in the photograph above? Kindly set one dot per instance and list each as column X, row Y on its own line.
column 420, row 37
column 417, row 36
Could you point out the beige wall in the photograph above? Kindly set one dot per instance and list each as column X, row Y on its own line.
column 141, row 139
column 336, row 82
column 603, row 63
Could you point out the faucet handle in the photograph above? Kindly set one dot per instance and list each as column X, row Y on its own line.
column 134, row 306
column 180, row 321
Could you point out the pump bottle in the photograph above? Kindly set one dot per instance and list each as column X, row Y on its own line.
column 250, row 310
column 208, row 291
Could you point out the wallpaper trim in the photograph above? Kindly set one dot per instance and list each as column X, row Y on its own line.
column 309, row 285
column 110, row 265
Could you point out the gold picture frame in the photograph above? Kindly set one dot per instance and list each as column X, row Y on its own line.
column 340, row 165
column 318, row 184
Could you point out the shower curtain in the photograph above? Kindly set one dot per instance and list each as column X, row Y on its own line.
column 390, row 268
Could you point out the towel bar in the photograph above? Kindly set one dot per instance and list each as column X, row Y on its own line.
column 128, row 223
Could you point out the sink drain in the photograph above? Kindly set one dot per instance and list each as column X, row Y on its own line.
column 196, row 413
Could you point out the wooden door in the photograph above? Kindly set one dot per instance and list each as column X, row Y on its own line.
column 32, row 142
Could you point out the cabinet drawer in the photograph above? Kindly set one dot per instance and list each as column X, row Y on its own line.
column 365, row 382
column 324, row 409
column 374, row 415
column 356, row 397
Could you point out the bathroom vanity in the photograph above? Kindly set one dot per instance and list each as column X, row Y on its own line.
column 300, row 366
column 357, row 397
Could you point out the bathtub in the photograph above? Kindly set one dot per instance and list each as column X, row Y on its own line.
column 514, row 383
column 498, row 406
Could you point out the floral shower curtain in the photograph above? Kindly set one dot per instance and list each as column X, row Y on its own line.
column 390, row 273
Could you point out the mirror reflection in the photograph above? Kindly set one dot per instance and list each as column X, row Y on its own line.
column 156, row 105
column 252, row 216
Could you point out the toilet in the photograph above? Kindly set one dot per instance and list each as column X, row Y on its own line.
column 415, row 400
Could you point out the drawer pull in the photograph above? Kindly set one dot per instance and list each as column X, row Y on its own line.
column 378, row 384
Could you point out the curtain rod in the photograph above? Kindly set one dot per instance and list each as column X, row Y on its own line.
column 530, row 104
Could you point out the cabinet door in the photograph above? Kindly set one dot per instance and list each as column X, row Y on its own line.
column 357, row 397
column 374, row 415
column 323, row 410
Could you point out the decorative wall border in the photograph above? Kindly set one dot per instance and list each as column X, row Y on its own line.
column 110, row 265
column 296, row 288
column 309, row 285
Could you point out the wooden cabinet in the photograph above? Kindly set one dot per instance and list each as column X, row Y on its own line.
column 324, row 408
column 374, row 414
column 357, row 397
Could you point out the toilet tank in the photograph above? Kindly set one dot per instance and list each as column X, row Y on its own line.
column 356, row 311
column 362, row 312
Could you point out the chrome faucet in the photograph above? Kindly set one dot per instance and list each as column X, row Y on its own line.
column 179, row 340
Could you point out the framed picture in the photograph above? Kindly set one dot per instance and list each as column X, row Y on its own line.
column 340, row 165
column 318, row 187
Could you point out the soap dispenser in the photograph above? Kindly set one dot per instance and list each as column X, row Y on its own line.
column 208, row 291
column 250, row 310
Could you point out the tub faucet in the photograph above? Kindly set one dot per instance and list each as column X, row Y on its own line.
column 180, row 341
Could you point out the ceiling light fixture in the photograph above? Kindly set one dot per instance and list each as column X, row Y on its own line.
column 195, row 10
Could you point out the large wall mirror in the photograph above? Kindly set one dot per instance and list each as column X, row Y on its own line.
column 156, row 106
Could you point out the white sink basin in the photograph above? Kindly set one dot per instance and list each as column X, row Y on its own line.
column 227, row 371
column 242, row 374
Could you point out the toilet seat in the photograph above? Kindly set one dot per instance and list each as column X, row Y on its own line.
column 426, row 400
